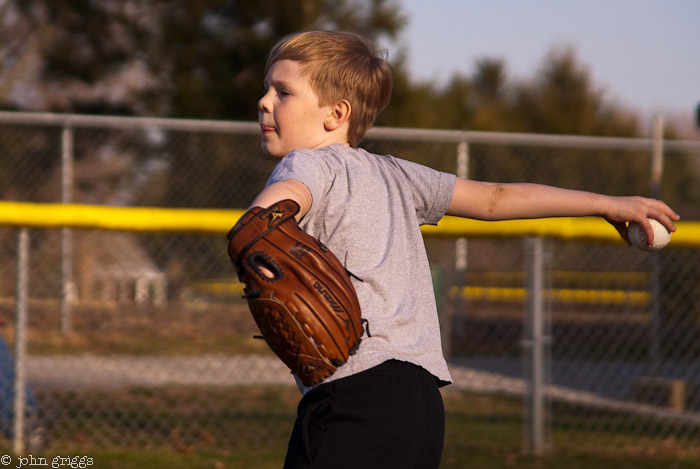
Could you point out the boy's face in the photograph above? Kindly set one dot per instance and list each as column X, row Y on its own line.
column 289, row 114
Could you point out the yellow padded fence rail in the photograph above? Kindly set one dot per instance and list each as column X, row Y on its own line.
column 143, row 219
column 214, row 221
column 561, row 295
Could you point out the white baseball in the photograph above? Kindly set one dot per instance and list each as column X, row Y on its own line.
column 639, row 238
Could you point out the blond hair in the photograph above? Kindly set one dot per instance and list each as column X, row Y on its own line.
column 341, row 65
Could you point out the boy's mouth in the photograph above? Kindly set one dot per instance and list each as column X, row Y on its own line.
column 266, row 128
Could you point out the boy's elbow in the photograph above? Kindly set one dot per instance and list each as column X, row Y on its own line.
column 477, row 200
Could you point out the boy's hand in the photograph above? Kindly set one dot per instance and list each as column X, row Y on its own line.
column 627, row 209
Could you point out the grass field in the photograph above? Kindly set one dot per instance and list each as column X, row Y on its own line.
column 248, row 428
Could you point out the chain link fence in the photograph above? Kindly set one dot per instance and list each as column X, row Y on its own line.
column 147, row 342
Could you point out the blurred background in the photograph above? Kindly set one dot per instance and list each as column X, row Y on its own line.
column 144, row 357
column 541, row 66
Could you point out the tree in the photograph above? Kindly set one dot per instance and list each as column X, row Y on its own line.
column 491, row 96
column 193, row 59
column 563, row 99
column 169, row 58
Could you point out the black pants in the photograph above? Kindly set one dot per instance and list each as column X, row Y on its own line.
column 390, row 416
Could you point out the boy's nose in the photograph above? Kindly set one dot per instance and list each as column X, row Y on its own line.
column 263, row 103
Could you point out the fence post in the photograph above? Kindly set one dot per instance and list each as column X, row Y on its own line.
column 20, row 341
column 534, row 344
column 461, row 245
column 657, row 160
column 68, row 292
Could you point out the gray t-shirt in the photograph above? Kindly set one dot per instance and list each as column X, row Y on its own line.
column 368, row 210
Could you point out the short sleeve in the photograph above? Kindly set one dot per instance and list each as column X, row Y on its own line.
column 307, row 168
column 431, row 190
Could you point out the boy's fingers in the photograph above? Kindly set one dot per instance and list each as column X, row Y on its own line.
column 648, row 230
column 668, row 224
column 665, row 217
column 661, row 212
column 621, row 228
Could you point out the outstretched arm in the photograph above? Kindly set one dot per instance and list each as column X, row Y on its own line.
column 491, row 201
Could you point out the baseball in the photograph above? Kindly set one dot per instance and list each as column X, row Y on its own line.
column 637, row 236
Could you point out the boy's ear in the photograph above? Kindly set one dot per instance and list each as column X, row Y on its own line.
column 338, row 115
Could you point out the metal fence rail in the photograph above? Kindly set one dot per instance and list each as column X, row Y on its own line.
column 107, row 320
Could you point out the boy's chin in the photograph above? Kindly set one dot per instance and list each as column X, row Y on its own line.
column 272, row 152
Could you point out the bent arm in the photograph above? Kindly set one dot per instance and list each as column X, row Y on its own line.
column 287, row 189
column 491, row 201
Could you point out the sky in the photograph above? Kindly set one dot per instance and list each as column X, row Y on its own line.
column 643, row 54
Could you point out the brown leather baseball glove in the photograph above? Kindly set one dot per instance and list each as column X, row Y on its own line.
column 299, row 293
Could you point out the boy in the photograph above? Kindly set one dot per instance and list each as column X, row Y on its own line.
column 383, row 407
